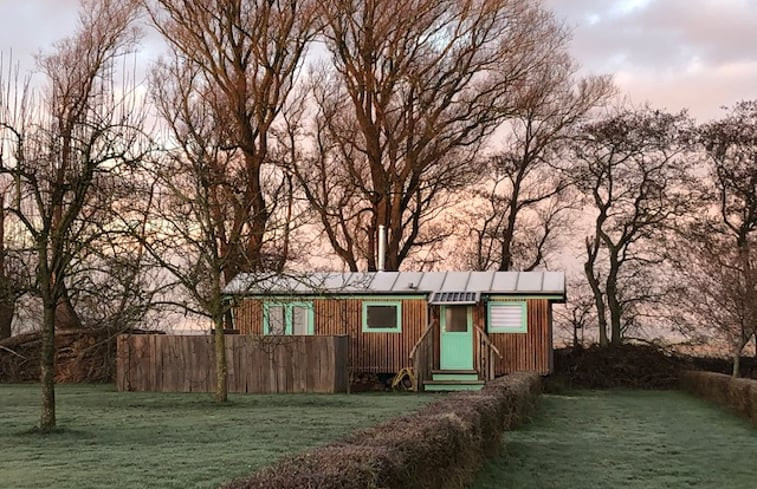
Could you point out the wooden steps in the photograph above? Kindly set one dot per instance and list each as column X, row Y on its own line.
column 453, row 380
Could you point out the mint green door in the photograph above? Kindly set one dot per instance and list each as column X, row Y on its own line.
column 456, row 338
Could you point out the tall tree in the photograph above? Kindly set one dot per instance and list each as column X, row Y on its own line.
column 231, row 75
column 722, row 240
column 59, row 148
column 412, row 90
column 525, row 199
column 631, row 167
column 244, row 57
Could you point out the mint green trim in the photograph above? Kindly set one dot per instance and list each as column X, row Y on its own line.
column 452, row 387
column 523, row 317
column 391, row 297
column 368, row 297
column 459, row 377
column 515, row 297
column 288, row 316
column 266, row 321
column 396, row 304
column 456, row 349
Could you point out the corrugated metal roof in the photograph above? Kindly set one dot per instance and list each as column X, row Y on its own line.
column 400, row 283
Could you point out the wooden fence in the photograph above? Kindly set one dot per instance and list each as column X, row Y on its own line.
column 259, row 364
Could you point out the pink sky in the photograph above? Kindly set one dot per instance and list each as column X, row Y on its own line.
column 673, row 53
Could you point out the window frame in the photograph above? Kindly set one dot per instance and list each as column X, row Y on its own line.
column 364, row 318
column 288, row 316
column 523, row 328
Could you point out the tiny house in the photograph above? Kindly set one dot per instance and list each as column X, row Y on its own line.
column 453, row 330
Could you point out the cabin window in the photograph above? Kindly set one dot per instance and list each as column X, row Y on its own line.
column 382, row 317
column 456, row 319
column 507, row 317
column 276, row 316
column 288, row 318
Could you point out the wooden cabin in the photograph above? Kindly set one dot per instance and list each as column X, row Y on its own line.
column 454, row 330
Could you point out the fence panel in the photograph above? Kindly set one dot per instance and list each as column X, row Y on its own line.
column 256, row 364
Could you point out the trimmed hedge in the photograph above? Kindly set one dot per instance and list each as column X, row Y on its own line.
column 739, row 395
column 440, row 446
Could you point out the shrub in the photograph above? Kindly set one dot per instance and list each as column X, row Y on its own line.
column 739, row 395
column 440, row 446
column 635, row 366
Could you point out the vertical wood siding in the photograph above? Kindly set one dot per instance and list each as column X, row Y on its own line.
column 530, row 351
column 369, row 352
column 388, row 352
column 163, row 363
column 248, row 317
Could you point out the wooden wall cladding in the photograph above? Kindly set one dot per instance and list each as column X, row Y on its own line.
column 524, row 352
column 257, row 364
column 369, row 352
column 388, row 352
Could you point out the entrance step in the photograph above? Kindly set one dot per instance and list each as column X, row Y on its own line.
column 461, row 375
column 452, row 385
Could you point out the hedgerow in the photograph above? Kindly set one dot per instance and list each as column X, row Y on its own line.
column 739, row 395
column 440, row 446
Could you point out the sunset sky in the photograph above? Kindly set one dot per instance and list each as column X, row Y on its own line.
column 673, row 53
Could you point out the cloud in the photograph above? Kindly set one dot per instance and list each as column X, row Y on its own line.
column 673, row 53
column 32, row 25
column 704, row 91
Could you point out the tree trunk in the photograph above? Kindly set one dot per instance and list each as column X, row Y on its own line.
column 7, row 302
column 611, row 290
column 736, row 364
column 47, row 368
column 7, row 309
column 506, row 260
column 599, row 303
column 222, row 371
column 66, row 317
column 615, row 315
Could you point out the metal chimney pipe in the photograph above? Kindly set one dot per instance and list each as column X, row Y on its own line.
column 381, row 247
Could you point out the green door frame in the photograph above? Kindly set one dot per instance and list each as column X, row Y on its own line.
column 456, row 348
column 289, row 316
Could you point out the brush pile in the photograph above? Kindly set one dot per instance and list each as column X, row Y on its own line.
column 637, row 366
column 82, row 355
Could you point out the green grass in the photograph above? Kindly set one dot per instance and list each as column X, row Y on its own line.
column 626, row 439
column 139, row 440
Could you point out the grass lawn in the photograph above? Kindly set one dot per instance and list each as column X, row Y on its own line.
column 628, row 439
column 139, row 440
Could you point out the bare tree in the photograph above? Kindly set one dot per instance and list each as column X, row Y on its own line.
column 526, row 198
column 233, row 68
column 631, row 168
column 412, row 92
column 579, row 313
column 721, row 272
column 716, row 300
column 8, row 289
column 112, row 283
column 59, row 147
column 243, row 57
